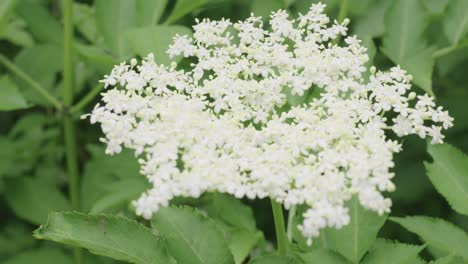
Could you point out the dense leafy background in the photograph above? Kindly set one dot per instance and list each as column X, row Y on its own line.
column 427, row 37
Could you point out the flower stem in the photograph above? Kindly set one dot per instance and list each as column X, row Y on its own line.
column 68, row 122
column 281, row 237
column 86, row 99
column 289, row 228
column 25, row 77
column 341, row 16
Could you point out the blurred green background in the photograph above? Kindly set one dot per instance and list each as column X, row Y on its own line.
column 33, row 174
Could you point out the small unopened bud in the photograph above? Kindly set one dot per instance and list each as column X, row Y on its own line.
column 345, row 22
column 133, row 62
column 412, row 95
column 372, row 70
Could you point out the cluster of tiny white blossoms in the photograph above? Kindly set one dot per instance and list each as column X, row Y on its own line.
column 218, row 126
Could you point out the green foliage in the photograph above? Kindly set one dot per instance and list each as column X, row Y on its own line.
column 449, row 174
column 33, row 198
column 388, row 252
column 415, row 34
column 190, row 237
column 105, row 235
column 353, row 240
column 150, row 11
column 456, row 21
column 10, row 97
column 183, row 7
column 404, row 44
column 113, row 20
column 325, row 257
column 154, row 39
column 437, row 233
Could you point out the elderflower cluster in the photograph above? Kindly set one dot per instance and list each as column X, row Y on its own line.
column 223, row 124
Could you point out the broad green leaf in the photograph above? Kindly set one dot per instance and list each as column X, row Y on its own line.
column 40, row 22
column 456, row 20
column 83, row 18
column 388, row 252
column 102, row 171
column 241, row 242
column 32, row 199
column 10, row 97
column 120, row 193
column 41, row 256
column 435, row 7
column 437, row 233
column 191, row 238
column 264, row 8
column 32, row 60
column 182, row 8
column 274, row 259
column 17, row 34
column 6, row 8
column 404, row 44
column 354, row 239
column 149, row 11
column 450, row 259
column 154, row 39
column 111, row 236
column 449, row 174
column 112, row 20
column 229, row 210
column 372, row 22
column 325, row 256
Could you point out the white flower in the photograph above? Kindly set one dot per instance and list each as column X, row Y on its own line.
column 217, row 126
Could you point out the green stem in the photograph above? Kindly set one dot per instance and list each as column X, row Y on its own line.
column 281, row 238
column 444, row 51
column 289, row 228
column 68, row 122
column 86, row 99
column 341, row 16
column 25, row 77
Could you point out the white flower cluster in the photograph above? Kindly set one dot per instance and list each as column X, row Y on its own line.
column 224, row 125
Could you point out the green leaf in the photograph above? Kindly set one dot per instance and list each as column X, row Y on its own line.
column 182, row 8
column 104, row 170
column 10, row 97
column 264, row 8
column 149, row 11
column 191, row 238
column 120, row 192
column 6, row 8
column 112, row 20
column 354, row 239
column 40, row 22
column 387, row 252
column 449, row 174
column 154, row 39
column 274, row 259
column 325, row 256
column 404, row 44
column 229, row 210
column 241, row 242
column 40, row 256
column 435, row 7
column 32, row 199
column 456, row 20
column 437, row 232
column 372, row 22
column 450, row 259
column 83, row 18
column 32, row 60
column 17, row 34
column 111, row 236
